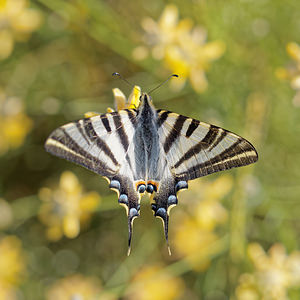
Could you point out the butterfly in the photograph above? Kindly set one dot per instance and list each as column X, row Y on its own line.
column 144, row 150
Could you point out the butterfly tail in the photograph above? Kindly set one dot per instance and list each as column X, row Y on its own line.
column 163, row 215
column 165, row 199
column 133, row 213
column 128, row 198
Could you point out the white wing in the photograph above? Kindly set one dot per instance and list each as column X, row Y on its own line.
column 196, row 149
column 192, row 149
column 102, row 144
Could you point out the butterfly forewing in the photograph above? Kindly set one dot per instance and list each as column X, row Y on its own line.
column 194, row 149
column 98, row 143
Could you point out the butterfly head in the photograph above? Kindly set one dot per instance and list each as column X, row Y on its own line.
column 146, row 102
column 145, row 98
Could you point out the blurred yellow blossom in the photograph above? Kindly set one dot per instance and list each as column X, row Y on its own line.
column 12, row 266
column 77, row 287
column 14, row 123
column 154, row 283
column 7, row 292
column 6, row 215
column 195, row 236
column 292, row 72
column 121, row 102
column 17, row 21
column 133, row 100
column 274, row 274
column 66, row 208
column 181, row 46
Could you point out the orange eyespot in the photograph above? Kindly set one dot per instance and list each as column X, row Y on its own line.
column 154, row 184
column 140, row 186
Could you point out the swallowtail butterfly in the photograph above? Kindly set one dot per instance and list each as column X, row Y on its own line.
column 143, row 150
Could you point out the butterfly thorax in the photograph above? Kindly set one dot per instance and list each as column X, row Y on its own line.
column 146, row 141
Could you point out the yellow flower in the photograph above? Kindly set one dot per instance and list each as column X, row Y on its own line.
column 154, row 283
column 292, row 72
column 14, row 123
column 12, row 266
column 274, row 273
column 77, row 287
column 181, row 46
column 17, row 21
column 121, row 102
column 7, row 292
column 67, row 208
column 195, row 237
column 132, row 102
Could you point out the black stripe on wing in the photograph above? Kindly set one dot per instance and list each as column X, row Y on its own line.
column 62, row 145
column 80, row 129
column 241, row 153
column 192, row 127
column 162, row 116
column 131, row 115
column 201, row 145
column 95, row 139
column 220, row 138
column 121, row 132
column 105, row 123
column 174, row 133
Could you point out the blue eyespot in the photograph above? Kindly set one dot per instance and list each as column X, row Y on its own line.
column 150, row 188
column 172, row 200
column 133, row 212
column 114, row 184
column 141, row 188
column 181, row 185
column 161, row 212
column 123, row 199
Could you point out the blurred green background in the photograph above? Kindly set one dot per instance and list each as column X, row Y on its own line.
column 234, row 235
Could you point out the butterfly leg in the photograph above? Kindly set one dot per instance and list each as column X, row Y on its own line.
column 165, row 199
column 130, row 199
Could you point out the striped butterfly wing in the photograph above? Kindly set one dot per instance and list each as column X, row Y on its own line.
column 96, row 143
column 192, row 149
column 195, row 149
column 103, row 145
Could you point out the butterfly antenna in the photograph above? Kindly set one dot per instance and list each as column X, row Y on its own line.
column 171, row 76
column 121, row 77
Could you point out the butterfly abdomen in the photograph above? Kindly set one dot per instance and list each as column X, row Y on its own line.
column 146, row 142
